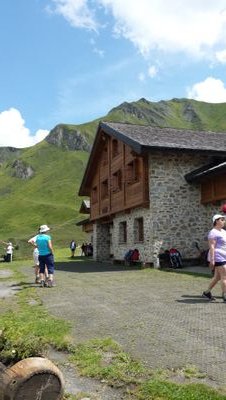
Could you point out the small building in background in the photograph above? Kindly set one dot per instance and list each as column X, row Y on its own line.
column 86, row 224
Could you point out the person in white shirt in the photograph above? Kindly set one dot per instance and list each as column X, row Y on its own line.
column 8, row 257
column 35, row 258
column 9, row 252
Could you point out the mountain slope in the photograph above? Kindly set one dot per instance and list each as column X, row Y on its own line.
column 176, row 113
column 50, row 196
column 39, row 184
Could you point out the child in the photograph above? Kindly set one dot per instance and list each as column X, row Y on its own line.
column 36, row 260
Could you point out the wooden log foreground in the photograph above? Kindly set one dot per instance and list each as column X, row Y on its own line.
column 33, row 378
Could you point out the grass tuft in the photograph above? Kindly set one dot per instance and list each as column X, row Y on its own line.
column 105, row 360
column 29, row 330
column 162, row 390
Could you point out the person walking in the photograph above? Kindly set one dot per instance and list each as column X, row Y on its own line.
column 217, row 256
column 83, row 249
column 9, row 252
column 73, row 248
column 45, row 248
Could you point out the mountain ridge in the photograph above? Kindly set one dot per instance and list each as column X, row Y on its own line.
column 39, row 184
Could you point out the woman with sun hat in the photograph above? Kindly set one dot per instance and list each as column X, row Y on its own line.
column 45, row 248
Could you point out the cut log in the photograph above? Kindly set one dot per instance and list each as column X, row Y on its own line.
column 33, row 378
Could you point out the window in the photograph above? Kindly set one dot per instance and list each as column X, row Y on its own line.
column 117, row 181
column 139, row 230
column 104, row 189
column 115, row 149
column 94, row 195
column 133, row 171
column 123, row 232
column 105, row 156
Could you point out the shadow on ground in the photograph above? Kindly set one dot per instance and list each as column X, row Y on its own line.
column 85, row 265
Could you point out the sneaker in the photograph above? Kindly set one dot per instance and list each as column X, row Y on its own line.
column 42, row 283
column 49, row 283
column 208, row 296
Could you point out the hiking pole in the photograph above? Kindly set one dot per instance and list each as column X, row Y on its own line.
column 32, row 378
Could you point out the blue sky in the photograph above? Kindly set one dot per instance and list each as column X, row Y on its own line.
column 71, row 61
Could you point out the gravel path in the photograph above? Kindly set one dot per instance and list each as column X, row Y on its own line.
column 158, row 317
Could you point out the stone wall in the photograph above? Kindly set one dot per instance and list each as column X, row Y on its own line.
column 178, row 217
column 101, row 242
column 175, row 218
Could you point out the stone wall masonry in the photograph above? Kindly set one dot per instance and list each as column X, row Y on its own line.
column 178, row 217
column 101, row 242
column 119, row 249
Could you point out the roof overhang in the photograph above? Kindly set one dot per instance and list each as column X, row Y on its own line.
column 209, row 170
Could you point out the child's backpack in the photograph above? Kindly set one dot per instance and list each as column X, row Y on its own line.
column 175, row 258
column 136, row 255
column 128, row 255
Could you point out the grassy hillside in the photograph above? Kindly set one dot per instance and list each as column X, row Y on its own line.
column 50, row 195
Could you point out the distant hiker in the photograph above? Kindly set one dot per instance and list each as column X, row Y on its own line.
column 73, row 248
column 83, row 248
column 9, row 252
column 45, row 248
column 89, row 250
column 8, row 257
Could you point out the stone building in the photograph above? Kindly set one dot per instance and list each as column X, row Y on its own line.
column 153, row 189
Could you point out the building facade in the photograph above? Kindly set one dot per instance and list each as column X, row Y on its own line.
column 153, row 189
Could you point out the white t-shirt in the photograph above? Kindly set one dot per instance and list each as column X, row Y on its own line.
column 220, row 246
column 9, row 249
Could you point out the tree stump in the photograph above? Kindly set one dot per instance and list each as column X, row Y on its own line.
column 33, row 378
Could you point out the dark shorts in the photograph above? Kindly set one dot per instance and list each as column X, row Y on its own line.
column 47, row 260
column 220, row 263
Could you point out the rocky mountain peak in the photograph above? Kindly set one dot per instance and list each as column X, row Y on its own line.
column 21, row 170
column 68, row 138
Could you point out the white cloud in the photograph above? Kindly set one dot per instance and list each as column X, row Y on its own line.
column 152, row 71
column 221, row 56
column 14, row 133
column 210, row 90
column 193, row 27
column 76, row 12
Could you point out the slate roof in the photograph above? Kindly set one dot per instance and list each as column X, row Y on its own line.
column 145, row 138
column 141, row 137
